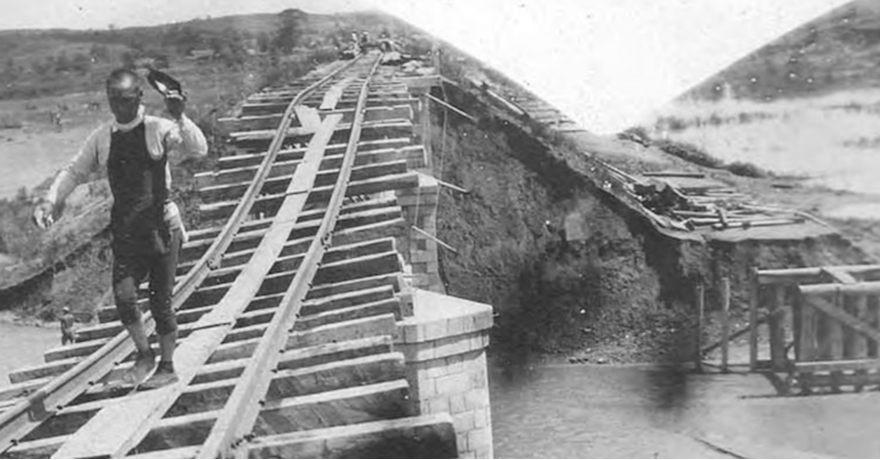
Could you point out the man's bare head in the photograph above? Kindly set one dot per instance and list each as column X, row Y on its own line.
column 124, row 94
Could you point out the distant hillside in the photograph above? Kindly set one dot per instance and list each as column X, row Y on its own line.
column 839, row 50
column 37, row 63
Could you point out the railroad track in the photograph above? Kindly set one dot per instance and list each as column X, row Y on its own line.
column 287, row 303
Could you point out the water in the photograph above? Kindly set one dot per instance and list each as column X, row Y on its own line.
column 578, row 411
column 23, row 346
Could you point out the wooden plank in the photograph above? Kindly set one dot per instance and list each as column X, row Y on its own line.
column 701, row 313
column 873, row 320
column 180, row 452
column 425, row 436
column 835, row 332
column 303, row 357
column 807, row 347
column 42, row 371
column 725, row 322
column 848, row 320
column 838, row 379
column 350, row 313
column 100, row 434
column 325, row 377
column 347, row 406
column 379, row 325
column 777, row 326
column 839, row 275
column 863, row 288
column 277, row 184
column 23, row 389
column 361, row 403
column 296, row 358
column 454, row 109
column 318, row 195
column 754, row 301
column 413, row 155
column 178, row 432
column 252, row 159
column 320, row 291
column 38, row 448
column 838, row 365
column 349, row 330
column 347, row 299
column 243, row 137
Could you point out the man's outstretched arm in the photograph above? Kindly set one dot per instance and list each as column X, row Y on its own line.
column 76, row 172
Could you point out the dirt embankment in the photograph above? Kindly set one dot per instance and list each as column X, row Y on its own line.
column 570, row 269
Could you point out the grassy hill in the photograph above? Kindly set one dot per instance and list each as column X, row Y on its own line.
column 58, row 61
column 836, row 51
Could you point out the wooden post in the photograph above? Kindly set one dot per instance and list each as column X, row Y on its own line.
column 776, row 322
column 836, row 339
column 701, row 314
column 861, row 342
column 725, row 322
column 873, row 319
column 806, row 350
column 753, row 321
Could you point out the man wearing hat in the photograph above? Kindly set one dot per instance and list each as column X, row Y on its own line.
column 67, row 319
column 133, row 150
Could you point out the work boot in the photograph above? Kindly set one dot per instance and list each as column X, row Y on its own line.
column 164, row 376
column 144, row 363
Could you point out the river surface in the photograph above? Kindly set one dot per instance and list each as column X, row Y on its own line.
column 577, row 411
column 23, row 346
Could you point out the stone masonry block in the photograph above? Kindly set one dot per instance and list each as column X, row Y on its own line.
column 439, row 404
column 453, row 384
column 477, row 399
column 437, row 370
column 481, row 418
column 436, row 329
column 454, row 346
column 461, row 442
column 478, row 437
column 478, row 379
column 484, row 452
column 463, row 422
column 457, row 404
column 414, row 352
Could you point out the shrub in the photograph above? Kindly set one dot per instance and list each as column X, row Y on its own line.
column 689, row 152
column 744, row 169
column 637, row 134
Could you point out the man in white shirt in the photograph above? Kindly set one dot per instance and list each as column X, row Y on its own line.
column 145, row 224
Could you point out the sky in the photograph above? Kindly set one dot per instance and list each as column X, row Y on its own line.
column 605, row 63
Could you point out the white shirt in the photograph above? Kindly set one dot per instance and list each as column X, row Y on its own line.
column 163, row 137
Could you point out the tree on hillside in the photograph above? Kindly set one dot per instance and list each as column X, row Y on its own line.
column 10, row 70
column 264, row 42
column 99, row 53
column 39, row 67
column 81, row 63
column 62, row 62
column 289, row 31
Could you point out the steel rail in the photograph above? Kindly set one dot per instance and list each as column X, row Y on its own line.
column 55, row 395
column 231, row 430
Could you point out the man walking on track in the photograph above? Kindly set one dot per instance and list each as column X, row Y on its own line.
column 67, row 320
column 146, row 227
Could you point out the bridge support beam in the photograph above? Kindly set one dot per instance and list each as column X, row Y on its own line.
column 444, row 345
